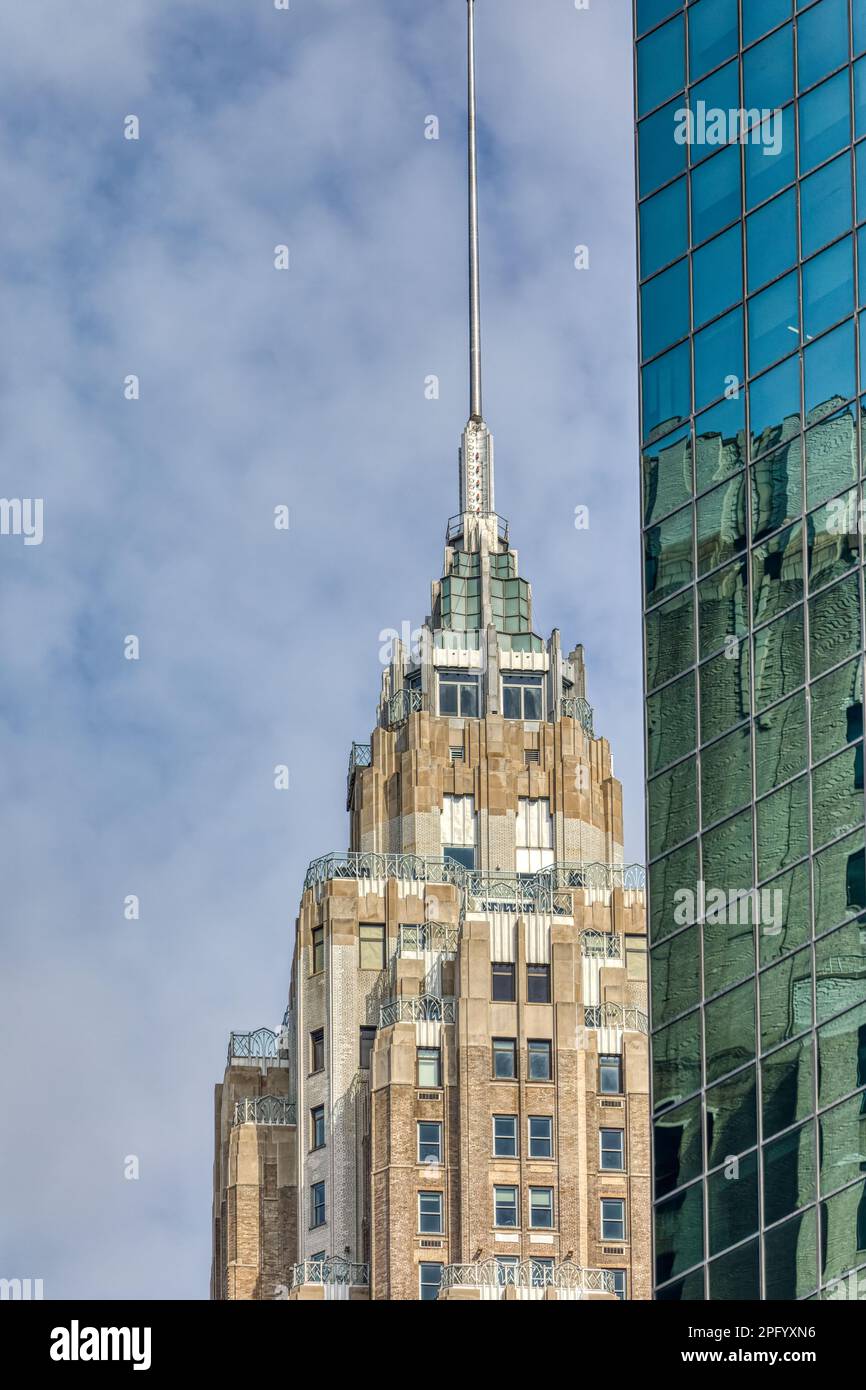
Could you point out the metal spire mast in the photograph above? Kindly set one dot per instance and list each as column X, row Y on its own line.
column 474, row 277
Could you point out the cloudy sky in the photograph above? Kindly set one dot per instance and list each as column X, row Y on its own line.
column 155, row 257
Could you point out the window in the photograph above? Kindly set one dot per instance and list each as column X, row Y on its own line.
column 533, row 835
column 430, row 1213
column 505, row 1208
column 319, row 1257
column 464, row 854
column 505, row 1136
column 429, row 1141
column 612, row 1149
column 506, row 1269
column 318, row 950
column 429, row 1067
column 372, row 955
column 541, row 1136
column 502, row 985
column 368, row 1038
column 610, row 1076
column 429, row 1279
column 317, row 1050
column 618, row 1281
column 542, row 1273
column 541, row 1208
column 539, row 1060
column 317, row 1127
column 317, row 1204
column 504, row 1059
column 613, row 1218
column 458, row 694
column 538, row 984
column 521, row 696
column 458, row 829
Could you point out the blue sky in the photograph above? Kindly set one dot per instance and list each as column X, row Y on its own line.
column 258, row 388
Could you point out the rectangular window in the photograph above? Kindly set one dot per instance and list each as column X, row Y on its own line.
column 506, row 1269
column 317, row 1127
column 368, row 1038
column 429, row 1280
column 541, row 1136
column 502, row 983
column 317, row 1050
column 521, row 696
column 505, row 1208
column 504, row 1059
column 319, row 1257
column 612, row 1143
column 429, row 1141
column 505, row 1136
column 541, row 1208
column 618, row 1281
column 318, row 950
column 458, row 829
column 317, row 1205
column 464, row 854
column 372, row 946
column 539, row 1060
column 533, row 835
column 610, row 1076
column 458, row 694
column 538, row 984
column 429, row 1067
column 542, row 1273
column 430, row 1213
column 613, row 1218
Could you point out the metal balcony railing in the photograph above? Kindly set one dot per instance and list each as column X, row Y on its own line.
column 625, row 1016
column 529, row 1274
column 418, row 1008
column 370, row 864
column 260, row 1043
column 576, row 707
column 454, row 528
column 601, row 943
column 400, row 705
column 335, row 1271
column 265, row 1110
column 360, row 755
column 438, row 937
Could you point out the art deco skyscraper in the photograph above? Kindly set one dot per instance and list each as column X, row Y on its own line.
column 752, row 186
column 456, row 1105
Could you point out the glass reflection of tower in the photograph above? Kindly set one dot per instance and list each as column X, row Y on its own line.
column 752, row 266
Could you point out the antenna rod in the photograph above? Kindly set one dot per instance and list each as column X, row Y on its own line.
column 474, row 279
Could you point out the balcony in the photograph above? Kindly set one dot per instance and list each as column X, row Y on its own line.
column 264, row 1110
column 606, row 944
column 576, row 707
column 260, row 1043
column 336, row 1274
column 436, row 937
column 454, row 528
column 360, row 755
column 531, row 1279
column 370, row 864
column 418, row 1008
column 623, row 1016
column 398, row 708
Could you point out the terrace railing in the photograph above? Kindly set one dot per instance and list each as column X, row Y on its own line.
column 265, row 1110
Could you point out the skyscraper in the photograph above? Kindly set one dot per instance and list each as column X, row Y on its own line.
column 456, row 1105
column 751, row 185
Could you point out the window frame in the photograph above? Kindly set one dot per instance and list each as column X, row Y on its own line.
column 549, row 1210
column 438, row 1215
column 533, row 1046
column 530, row 977
column 530, row 1140
column 605, row 1062
column 515, row 1137
column 429, row 1264
column 513, row 680
column 616, row 1152
column 317, row 941
column 367, row 1034
column 503, row 1225
column 431, row 1162
column 503, row 972
column 617, row 1221
column 378, row 940
column 511, row 1043
column 317, row 1040
column 430, row 1054
column 317, row 1115
column 460, row 680
column 317, row 1189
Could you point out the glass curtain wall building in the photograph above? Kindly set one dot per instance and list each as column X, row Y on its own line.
column 751, row 180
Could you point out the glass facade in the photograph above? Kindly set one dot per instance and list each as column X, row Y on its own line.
column 751, row 150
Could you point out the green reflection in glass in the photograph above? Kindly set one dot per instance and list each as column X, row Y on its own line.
column 777, row 489
column 789, row 1173
column 842, row 1055
column 677, row 1054
column 726, row 775
column 721, row 524
column 837, row 795
column 840, row 889
column 732, row 1203
column 791, row 1258
column 834, row 624
column 831, row 456
column 668, row 555
column 670, row 639
column 667, row 474
column 832, row 542
column 730, row 1031
column 843, row 1143
column 786, row 1081
column 671, row 723
column 780, row 658
column 720, row 441
column 843, row 1221
column 666, row 877
column 675, row 976
column 672, row 807
column 688, row 1290
column 774, row 399
column 786, row 999
column 724, row 690
column 677, row 1147
column 723, row 607
column 777, row 573
column 840, row 969
column 732, row 1125
column 679, row 1232
column 783, row 828
column 780, row 743
column 786, row 913
column 727, row 854
column 837, row 708
column 735, row 1276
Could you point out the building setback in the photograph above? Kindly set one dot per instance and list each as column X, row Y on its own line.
column 456, row 1105
column 752, row 277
